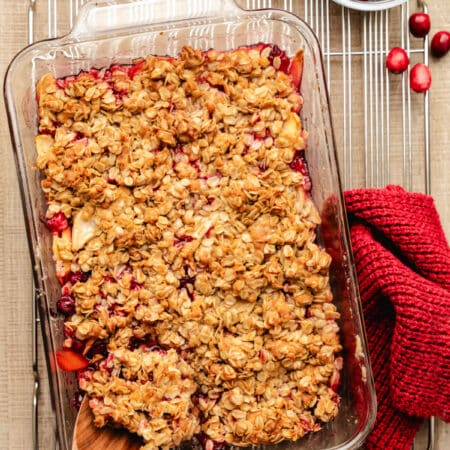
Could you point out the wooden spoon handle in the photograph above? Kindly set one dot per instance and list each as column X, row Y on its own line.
column 86, row 436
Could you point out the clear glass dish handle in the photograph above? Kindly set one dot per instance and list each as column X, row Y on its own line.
column 100, row 17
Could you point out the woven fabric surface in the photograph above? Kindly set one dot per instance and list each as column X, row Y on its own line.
column 403, row 264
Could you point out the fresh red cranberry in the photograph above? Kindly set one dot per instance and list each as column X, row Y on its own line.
column 419, row 24
column 66, row 305
column 397, row 60
column 440, row 44
column 57, row 223
column 284, row 60
column 420, row 78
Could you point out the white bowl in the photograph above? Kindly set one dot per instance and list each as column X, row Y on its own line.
column 370, row 5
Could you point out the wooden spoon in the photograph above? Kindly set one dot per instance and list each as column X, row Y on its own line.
column 86, row 436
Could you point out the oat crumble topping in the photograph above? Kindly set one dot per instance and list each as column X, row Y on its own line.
column 184, row 240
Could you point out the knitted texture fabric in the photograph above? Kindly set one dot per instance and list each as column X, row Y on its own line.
column 403, row 264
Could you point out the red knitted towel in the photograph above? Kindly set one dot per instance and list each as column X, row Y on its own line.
column 403, row 264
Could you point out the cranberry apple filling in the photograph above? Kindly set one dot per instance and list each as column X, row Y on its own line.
column 197, row 303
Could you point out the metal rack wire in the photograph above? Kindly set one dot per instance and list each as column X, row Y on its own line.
column 365, row 96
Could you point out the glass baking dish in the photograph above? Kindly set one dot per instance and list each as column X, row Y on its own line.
column 118, row 31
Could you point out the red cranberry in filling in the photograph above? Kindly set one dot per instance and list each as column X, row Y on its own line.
column 134, row 343
column 135, row 68
column 76, row 345
column 147, row 344
column 57, row 224
column 116, row 309
column 209, row 444
column 298, row 164
column 79, row 276
column 284, row 60
column 66, row 305
column 185, row 281
column 78, row 136
column 98, row 348
column 188, row 282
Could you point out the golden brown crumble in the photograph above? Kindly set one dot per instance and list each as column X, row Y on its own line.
column 196, row 238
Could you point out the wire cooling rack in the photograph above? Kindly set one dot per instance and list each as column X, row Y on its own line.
column 382, row 129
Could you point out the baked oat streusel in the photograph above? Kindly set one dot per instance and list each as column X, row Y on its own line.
column 184, row 238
